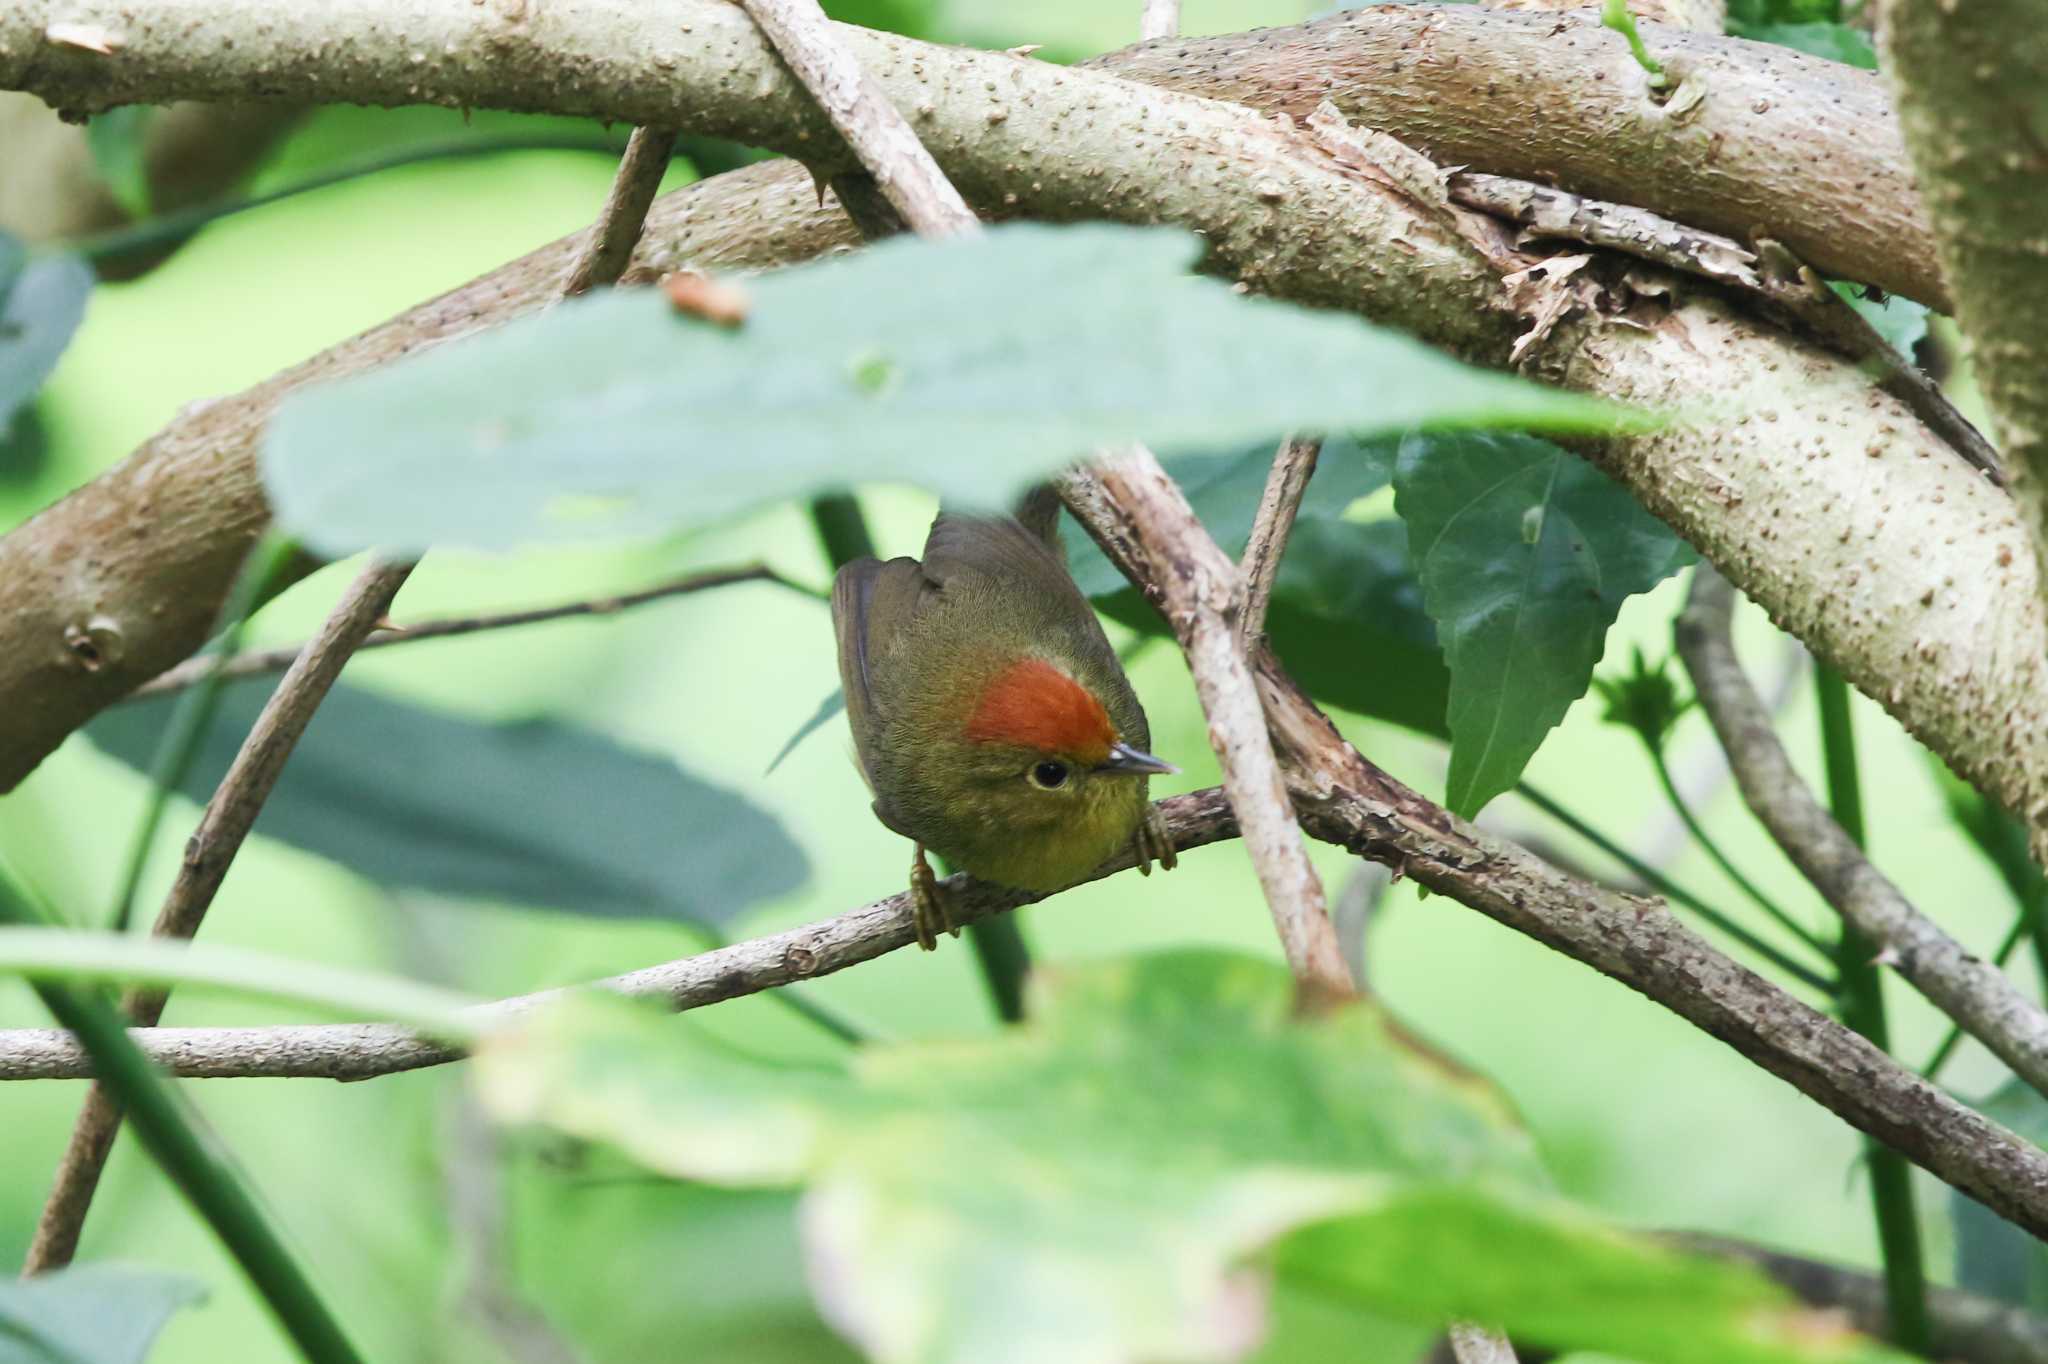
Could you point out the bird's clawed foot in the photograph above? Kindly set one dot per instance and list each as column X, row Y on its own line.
column 1154, row 844
column 928, row 909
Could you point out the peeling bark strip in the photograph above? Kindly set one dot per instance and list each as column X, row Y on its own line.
column 1821, row 497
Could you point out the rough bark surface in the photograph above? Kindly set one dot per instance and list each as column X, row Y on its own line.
column 1972, row 85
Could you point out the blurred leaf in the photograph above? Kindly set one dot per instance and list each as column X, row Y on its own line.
column 1900, row 321
column 118, row 139
column 1749, row 13
column 540, row 813
column 1998, row 834
column 912, row 18
column 42, row 301
column 1994, row 1257
column 24, row 446
column 1552, row 1277
column 820, row 717
column 1836, row 42
column 1088, row 1187
column 89, row 1314
column 1081, row 1188
column 1026, row 346
column 1346, row 616
column 1526, row 554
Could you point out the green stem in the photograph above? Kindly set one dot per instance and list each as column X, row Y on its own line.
column 1615, row 15
column 171, row 228
column 1721, row 859
column 193, row 714
column 1677, row 894
column 190, row 1154
column 66, row 955
column 1861, row 998
column 999, row 944
column 2022, row 926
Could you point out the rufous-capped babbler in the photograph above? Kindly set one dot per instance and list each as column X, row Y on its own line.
column 990, row 716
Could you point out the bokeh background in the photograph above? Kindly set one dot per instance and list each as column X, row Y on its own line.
column 428, row 1231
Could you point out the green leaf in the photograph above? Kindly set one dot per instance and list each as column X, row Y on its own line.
column 1346, row 615
column 39, row 310
column 1552, row 1277
column 967, row 367
column 1994, row 1257
column 118, row 139
column 540, row 813
column 1526, row 554
column 1097, row 1183
column 89, row 1314
column 1836, row 42
column 1743, row 14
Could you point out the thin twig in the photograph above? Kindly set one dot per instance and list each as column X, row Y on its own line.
column 277, row 660
column 1961, row 985
column 617, row 231
column 884, row 143
column 1135, row 511
column 1161, row 19
column 250, row 778
column 208, row 855
column 363, row 1051
column 1294, row 463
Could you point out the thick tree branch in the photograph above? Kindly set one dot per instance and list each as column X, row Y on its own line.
column 1888, row 561
column 1136, row 512
column 228, row 817
column 1969, row 85
column 1972, row 991
column 259, row 661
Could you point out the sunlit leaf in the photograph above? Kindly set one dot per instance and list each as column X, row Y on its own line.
column 42, row 301
column 966, row 367
column 1099, row 1184
column 541, row 813
column 1526, row 553
column 89, row 1314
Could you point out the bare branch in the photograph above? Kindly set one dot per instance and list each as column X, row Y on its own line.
column 1136, row 512
column 1293, row 465
column 361, row 1051
column 861, row 113
column 1965, row 987
column 227, row 820
column 610, row 244
column 1161, row 19
column 259, row 661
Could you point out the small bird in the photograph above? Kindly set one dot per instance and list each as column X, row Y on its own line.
column 991, row 718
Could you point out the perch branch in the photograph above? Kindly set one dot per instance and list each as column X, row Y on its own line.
column 259, row 661
column 1975, row 993
column 609, row 245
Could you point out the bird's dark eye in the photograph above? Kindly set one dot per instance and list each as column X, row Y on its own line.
column 1049, row 775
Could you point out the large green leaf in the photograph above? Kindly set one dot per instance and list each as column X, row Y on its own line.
column 1346, row 615
column 1092, row 1186
column 967, row 367
column 1526, row 554
column 42, row 301
column 540, row 813
column 89, row 1314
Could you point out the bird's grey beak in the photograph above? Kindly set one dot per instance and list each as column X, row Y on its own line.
column 1131, row 762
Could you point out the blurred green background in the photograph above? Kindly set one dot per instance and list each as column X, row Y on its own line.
column 1640, row 1115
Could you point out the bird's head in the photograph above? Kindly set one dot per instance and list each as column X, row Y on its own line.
column 1047, row 735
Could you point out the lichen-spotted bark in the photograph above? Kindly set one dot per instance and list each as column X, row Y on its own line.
column 1822, row 498
column 1972, row 83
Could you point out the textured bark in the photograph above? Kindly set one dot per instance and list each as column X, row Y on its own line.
column 1824, row 499
column 1972, row 85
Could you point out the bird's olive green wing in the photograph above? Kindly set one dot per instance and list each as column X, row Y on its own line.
column 870, row 599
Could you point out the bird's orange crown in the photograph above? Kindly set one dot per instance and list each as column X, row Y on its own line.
column 1034, row 705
